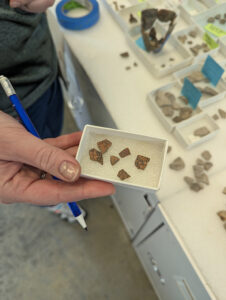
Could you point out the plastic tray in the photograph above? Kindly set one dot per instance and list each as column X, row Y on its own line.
column 205, row 100
column 198, row 40
column 184, row 132
column 167, row 122
column 202, row 19
column 159, row 64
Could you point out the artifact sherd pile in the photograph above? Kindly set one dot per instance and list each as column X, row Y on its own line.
column 95, row 155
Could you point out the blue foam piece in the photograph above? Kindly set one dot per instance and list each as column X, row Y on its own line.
column 191, row 93
column 212, row 70
column 140, row 43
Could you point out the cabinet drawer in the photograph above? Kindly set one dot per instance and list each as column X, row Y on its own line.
column 134, row 206
column 153, row 223
column 169, row 269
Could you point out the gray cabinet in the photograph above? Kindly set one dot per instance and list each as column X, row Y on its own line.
column 134, row 207
column 170, row 271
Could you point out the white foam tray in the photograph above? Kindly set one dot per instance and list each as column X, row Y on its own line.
column 197, row 40
column 184, row 131
column 154, row 148
column 205, row 100
column 154, row 61
column 167, row 122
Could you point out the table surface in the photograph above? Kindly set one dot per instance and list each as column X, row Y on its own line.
column 124, row 94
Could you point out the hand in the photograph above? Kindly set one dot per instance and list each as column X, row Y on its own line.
column 32, row 6
column 23, row 156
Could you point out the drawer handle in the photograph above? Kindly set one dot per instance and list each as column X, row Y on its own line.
column 147, row 200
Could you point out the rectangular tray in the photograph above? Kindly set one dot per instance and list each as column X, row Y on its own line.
column 192, row 41
column 202, row 19
column 154, row 148
column 205, row 100
column 184, row 132
column 175, row 88
column 154, row 62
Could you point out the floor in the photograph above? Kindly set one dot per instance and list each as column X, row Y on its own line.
column 43, row 257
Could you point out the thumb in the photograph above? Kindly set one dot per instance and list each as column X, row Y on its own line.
column 35, row 152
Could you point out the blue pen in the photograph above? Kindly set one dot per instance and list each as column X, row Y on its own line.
column 10, row 92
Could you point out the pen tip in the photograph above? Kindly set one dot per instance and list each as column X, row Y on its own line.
column 86, row 229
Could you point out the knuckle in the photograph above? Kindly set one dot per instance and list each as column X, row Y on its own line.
column 46, row 158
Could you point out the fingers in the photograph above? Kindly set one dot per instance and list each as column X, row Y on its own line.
column 34, row 6
column 65, row 141
column 32, row 151
column 51, row 192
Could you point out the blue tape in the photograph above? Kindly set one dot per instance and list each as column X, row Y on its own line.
column 79, row 23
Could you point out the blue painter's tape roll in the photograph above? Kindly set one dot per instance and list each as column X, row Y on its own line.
column 79, row 23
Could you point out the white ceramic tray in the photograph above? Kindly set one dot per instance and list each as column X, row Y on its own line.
column 184, row 132
column 192, row 41
column 205, row 99
column 168, row 123
column 154, row 148
column 160, row 64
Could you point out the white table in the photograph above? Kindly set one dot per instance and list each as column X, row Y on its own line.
column 191, row 216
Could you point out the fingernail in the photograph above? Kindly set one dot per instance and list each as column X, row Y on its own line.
column 15, row 4
column 68, row 170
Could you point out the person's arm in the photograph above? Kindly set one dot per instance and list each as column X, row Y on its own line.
column 32, row 6
column 23, row 157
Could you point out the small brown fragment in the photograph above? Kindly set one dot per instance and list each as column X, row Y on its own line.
column 182, row 38
column 168, row 111
column 206, row 155
column 125, row 152
column 132, row 19
column 224, row 190
column 122, row 6
column 171, row 59
column 198, row 170
column 211, row 20
column 124, row 54
column 215, row 117
column 222, row 215
column 217, row 17
column 200, row 162
column 128, row 68
column 203, row 178
column 208, row 91
column 104, row 145
column 196, row 187
column 122, row 174
column 163, row 65
column 95, row 155
column 190, row 42
column 192, row 33
column 135, row 64
column 113, row 160
column 207, row 165
column 188, row 180
column 183, row 99
column 116, row 5
column 222, row 113
column 202, row 131
column 177, row 165
column 169, row 149
column 141, row 162
column 222, row 21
